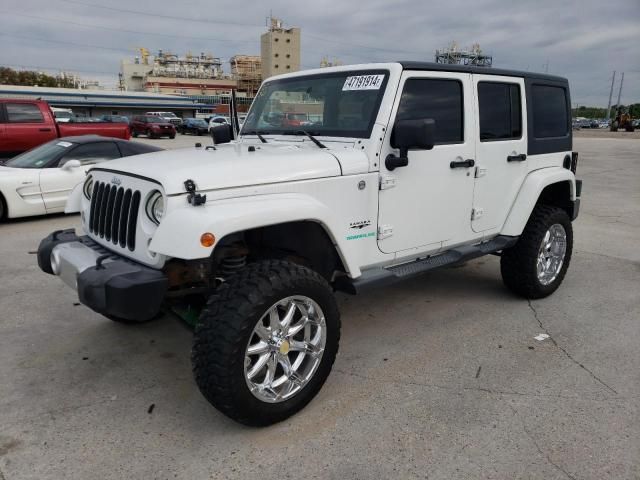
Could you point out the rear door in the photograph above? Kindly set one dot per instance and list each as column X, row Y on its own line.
column 501, row 148
column 56, row 183
column 26, row 126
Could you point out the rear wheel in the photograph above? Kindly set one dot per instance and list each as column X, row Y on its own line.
column 536, row 265
column 266, row 342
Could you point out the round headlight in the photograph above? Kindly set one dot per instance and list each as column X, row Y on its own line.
column 88, row 187
column 155, row 207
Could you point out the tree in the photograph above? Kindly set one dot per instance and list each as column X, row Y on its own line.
column 9, row 76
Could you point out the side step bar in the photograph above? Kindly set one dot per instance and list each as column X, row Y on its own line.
column 376, row 277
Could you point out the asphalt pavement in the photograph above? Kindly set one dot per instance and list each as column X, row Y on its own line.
column 439, row 377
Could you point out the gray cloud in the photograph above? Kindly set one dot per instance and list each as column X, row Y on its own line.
column 582, row 40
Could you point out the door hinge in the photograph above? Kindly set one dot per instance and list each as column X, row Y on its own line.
column 387, row 182
column 384, row 231
column 477, row 213
column 480, row 172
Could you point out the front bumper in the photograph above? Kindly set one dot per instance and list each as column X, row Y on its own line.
column 107, row 283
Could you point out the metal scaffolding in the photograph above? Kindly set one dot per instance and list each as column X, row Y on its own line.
column 247, row 71
column 453, row 55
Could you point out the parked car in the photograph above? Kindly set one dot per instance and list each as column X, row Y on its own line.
column 438, row 167
column 25, row 124
column 170, row 117
column 152, row 127
column 63, row 115
column 218, row 120
column 40, row 180
column 115, row 119
column 194, row 126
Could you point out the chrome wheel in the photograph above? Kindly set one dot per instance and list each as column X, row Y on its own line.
column 285, row 349
column 551, row 254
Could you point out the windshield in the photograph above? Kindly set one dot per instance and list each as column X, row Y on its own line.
column 156, row 120
column 339, row 104
column 59, row 114
column 199, row 123
column 168, row 114
column 39, row 157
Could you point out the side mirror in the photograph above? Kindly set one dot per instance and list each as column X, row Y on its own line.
column 222, row 133
column 410, row 135
column 71, row 164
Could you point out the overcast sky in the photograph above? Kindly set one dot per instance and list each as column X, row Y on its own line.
column 584, row 40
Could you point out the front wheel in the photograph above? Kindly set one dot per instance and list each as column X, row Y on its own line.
column 536, row 265
column 266, row 342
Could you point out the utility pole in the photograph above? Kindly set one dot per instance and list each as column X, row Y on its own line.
column 620, row 91
column 613, row 80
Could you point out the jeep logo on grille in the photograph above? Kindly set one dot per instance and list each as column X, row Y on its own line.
column 116, row 181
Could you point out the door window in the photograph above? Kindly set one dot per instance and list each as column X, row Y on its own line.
column 440, row 100
column 23, row 113
column 500, row 112
column 92, row 153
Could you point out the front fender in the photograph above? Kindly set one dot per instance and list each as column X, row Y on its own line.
column 178, row 234
column 74, row 201
column 529, row 193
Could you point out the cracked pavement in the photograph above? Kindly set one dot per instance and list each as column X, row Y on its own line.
column 437, row 377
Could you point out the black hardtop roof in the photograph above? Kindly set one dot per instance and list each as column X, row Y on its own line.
column 442, row 67
column 84, row 139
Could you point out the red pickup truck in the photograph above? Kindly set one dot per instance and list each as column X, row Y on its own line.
column 25, row 124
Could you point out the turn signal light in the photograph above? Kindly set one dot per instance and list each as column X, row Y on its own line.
column 207, row 239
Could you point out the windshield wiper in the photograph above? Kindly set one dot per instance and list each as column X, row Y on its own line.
column 256, row 133
column 311, row 137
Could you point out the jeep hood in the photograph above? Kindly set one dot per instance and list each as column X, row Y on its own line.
column 229, row 166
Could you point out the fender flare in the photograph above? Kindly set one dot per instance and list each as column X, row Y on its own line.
column 178, row 235
column 529, row 193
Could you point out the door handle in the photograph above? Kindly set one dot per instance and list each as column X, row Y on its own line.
column 462, row 163
column 517, row 158
column 44, row 129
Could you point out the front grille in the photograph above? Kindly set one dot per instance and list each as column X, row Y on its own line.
column 114, row 214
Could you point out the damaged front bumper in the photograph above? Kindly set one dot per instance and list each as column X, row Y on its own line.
column 106, row 282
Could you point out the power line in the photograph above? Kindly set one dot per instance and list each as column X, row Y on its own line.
column 87, row 25
column 203, row 20
column 159, row 15
column 48, row 40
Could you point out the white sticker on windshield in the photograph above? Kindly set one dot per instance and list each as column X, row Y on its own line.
column 363, row 82
column 64, row 144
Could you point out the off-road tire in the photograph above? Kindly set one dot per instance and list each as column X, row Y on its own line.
column 225, row 328
column 518, row 263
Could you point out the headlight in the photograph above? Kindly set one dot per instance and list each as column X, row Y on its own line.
column 88, row 187
column 155, row 207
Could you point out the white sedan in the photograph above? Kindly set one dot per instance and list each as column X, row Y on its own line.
column 39, row 181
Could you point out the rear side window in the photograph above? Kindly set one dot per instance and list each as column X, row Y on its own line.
column 438, row 99
column 550, row 116
column 23, row 113
column 500, row 111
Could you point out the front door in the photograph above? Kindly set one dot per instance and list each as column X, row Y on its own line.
column 427, row 204
column 501, row 148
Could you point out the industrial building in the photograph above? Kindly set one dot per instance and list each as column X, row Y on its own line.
column 279, row 49
column 246, row 70
column 93, row 103
column 171, row 74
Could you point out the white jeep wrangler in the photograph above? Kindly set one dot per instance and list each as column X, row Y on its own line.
column 397, row 169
